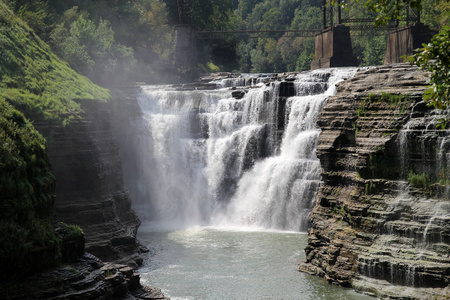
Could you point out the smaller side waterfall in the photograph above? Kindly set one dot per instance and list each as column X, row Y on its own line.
column 424, row 149
column 414, row 239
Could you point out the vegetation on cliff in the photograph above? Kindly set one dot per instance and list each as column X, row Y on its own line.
column 435, row 57
column 27, row 242
column 108, row 41
column 36, row 81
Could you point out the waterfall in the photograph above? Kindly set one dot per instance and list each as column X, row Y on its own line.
column 412, row 242
column 244, row 80
column 208, row 158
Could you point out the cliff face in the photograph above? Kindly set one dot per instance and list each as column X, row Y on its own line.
column 90, row 191
column 371, row 228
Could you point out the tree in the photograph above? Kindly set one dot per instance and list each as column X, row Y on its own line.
column 435, row 57
column 91, row 50
column 388, row 10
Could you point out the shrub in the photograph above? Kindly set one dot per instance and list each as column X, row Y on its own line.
column 27, row 239
column 421, row 181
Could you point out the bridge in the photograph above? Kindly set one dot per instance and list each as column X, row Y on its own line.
column 333, row 46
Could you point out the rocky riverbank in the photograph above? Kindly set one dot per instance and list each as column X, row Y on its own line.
column 372, row 229
column 85, row 278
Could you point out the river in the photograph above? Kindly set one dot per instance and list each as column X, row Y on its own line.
column 212, row 263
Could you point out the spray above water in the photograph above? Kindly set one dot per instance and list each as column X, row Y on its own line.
column 207, row 158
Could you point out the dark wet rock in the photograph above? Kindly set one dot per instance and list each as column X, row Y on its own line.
column 238, row 94
column 87, row 278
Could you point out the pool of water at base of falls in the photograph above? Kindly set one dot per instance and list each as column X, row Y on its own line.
column 214, row 263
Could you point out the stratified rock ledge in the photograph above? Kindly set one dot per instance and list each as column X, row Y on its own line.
column 370, row 229
column 88, row 278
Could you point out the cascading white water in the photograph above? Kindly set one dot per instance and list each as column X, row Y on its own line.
column 244, row 80
column 208, row 158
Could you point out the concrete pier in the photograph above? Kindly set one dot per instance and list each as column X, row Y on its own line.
column 403, row 42
column 186, row 55
column 333, row 48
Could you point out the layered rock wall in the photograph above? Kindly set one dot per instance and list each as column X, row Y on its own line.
column 90, row 191
column 371, row 229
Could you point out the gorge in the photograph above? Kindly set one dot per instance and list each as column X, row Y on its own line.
column 235, row 181
column 244, row 158
column 227, row 175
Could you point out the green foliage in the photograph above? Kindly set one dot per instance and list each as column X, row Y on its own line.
column 27, row 241
column 73, row 232
column 430, row 184
column 370, row 50
column 388, row 10
column 296, row 53
column 371, row 188
column 139, row 29
column 34, row 79
column 213, row 15
column 393, row 99
column 306, row 56
column 34, row 13
column 103, row 38
column 422, row 181
column 90, row 49
column 207, row 14
column 277, row 53
column 435, row 13
column 435, row 58
column 209, row 67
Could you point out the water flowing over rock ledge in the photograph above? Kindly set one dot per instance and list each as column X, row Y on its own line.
column 193, row 156
column 370, row 229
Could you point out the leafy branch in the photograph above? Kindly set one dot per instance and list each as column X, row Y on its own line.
column 435, row 58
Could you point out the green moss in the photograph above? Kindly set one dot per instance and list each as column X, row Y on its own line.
column 443, row 177
column 28, row 242
column 394, row 99
column 35, row 80
column 371, row 188
column 73, row 231
column 419, row 180
column 380, row 166
column 429, row 184
column 209, row 67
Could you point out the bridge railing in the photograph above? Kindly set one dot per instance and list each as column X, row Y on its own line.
column 257, row 33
